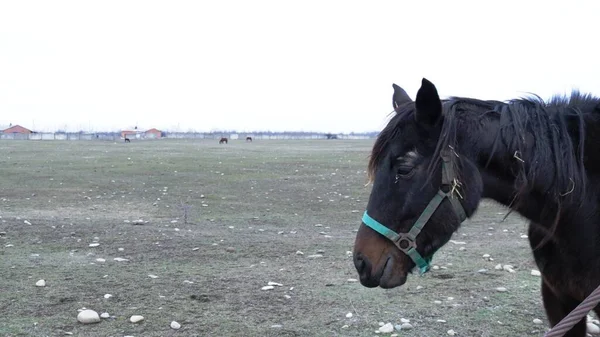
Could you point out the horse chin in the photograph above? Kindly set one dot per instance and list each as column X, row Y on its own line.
column 392, row 277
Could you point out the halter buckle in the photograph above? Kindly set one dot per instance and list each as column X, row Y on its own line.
column 405, row 242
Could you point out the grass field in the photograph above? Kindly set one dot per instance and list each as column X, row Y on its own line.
column 218, row 223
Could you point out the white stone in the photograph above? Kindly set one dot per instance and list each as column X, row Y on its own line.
column 40, row 283
column 152, row 276
column 537, row 321
column 593, row 329
column 349, row 315
column 275, row 284
column 88, row 316
column 498, row 267
column 104, row 315
column 406, row 326
column 535, row 273
column 501, row 289
column 95, row 244
column 299, row 253
column 136, row 318
column 404, row 320
column 351, row 280
column 175, row 325
column 120, row 259
column 314, row 256
column 267, row 288
column 451, row 332
column 107, row 296
column 485, row 256
column 100, row 260
column 386, row 328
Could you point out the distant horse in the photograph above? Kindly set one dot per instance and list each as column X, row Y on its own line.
column 331, row 136
column 223, row 140
column 249, row 139
column 127, row 140
column 449, row 154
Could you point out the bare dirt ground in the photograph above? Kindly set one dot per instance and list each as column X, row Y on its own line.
column 219, row 222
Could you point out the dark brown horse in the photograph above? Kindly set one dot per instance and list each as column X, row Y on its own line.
column 223, row 140
column 249, row 139
column 127, row 140
column 436, row 159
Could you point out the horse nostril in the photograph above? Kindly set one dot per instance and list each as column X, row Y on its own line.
column 361, row 263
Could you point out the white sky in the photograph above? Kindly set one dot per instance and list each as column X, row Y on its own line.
column 279, row 65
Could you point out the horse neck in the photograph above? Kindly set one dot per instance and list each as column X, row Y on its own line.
column 517, row 173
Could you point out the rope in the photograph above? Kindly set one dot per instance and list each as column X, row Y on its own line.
column 576, row 315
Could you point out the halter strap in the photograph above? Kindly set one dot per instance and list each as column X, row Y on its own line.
column 407, row 242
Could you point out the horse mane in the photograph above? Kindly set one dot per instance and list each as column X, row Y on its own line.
column 557, row 150
column 556, row 155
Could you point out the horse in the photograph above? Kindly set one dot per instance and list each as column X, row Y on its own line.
column 436, row 159
column 127, row 140
column 249, row 139
column 223, row 140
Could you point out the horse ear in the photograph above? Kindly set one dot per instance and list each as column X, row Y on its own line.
column 400, row 97
column 428, row 104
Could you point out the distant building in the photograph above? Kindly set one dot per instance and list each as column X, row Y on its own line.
column 129, row 134
column 17, row 129
column 153, row 134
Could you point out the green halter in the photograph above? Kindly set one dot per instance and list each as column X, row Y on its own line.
column 407, row 242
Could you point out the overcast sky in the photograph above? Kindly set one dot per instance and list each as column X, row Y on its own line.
column 279, row 65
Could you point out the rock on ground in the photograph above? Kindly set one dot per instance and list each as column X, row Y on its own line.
column 88, row 316
column 386, row 328
column 136, row 318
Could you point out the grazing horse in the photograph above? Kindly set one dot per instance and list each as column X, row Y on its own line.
column 127, row 140
column 249, row 139
column 436, row 159
column 223, row 140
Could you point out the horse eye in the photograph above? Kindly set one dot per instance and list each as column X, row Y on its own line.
column 405, row 170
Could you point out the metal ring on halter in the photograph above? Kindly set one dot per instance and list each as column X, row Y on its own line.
column 407, row 241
